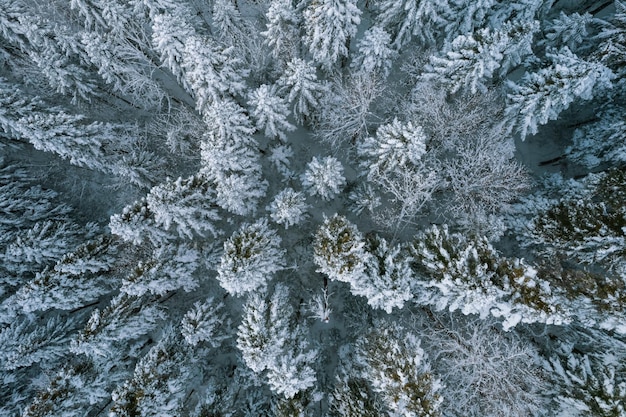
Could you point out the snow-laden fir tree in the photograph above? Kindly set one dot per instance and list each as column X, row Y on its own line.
column 229, row 25
column 206, row 322
column 270, row 112
column 470, row 61
column 83, row 386
column 541, row 96
column 600, row 142
column 568, row 30
column 323, row 177
column 160, row 382
column 408, row 19
column 136, row 224
column 352, row 397
column 212, row 71
column 589, row 380
column 397, row 369
column 251, row 256
column 611, row 50
column 27, row 341
column 185, row 205
column 170, row 268
column 302, row 88
column 375, row 54
column 76, row 279
column 113, row 328
column 283, row 32
column 387, row 278
column 269, row 338
column 339, row 249
column 395, row 147
column 288, row 208
column 329, row 26
column 459, row 273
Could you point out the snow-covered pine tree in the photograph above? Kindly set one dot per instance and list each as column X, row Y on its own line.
column 590, row 384
column 170, row 268
column 408, row 19
column 75, row 280
column 375, row 55
column 136, row 224
column 611, row 51
column 251, row 256
column 27, row 341
column 397, row 369
column 212, row 71
column 79, row 387
column 288, row 208
column 471, row 60
column 113, row 328
column 470, row 276
column 568, row 30
column 228, row 24
column 323, row 177
column 395, row 147
column 352, row 397
column 270, row 111
column 230, row 158
column 339, row 249
column 206, row 322
column 601, row 142
column 187, row 205
column 541, row 96
column 329, row 26
column 387, row 278
column 270, row 339
column 300, row 84
column 282, row 34
column 160, row 382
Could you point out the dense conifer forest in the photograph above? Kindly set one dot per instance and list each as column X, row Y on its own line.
column 312, row 208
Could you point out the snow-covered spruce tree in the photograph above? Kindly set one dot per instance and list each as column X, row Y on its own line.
column 282, row 34
column 541, row 96
column 160, row 381
column 323, row 177
column 288, row 208
column 329, row 26
column 136, row 224
column 592, row 384
column 302, row 88
column 375, row 55
column 408, row 19
column 395, row 147
column 352, row 397
column 601, row 142
column 251, row 256
column 28, row 341
column 170, row 268
column 339, row 249
column 39, row 246
column 186, row 205
column 611, row 50
column 230, row 158
column 387, row 278
column 212, row 71
column 568, row 30
column 206, row 322
column 270, row 111
column 113, row 328
column 397, row 369
column 228, row 24
column 472, row 60
column 75, row 280
column 458, row 273
column 76, row 388
column 270, row 339
column 484, row 371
